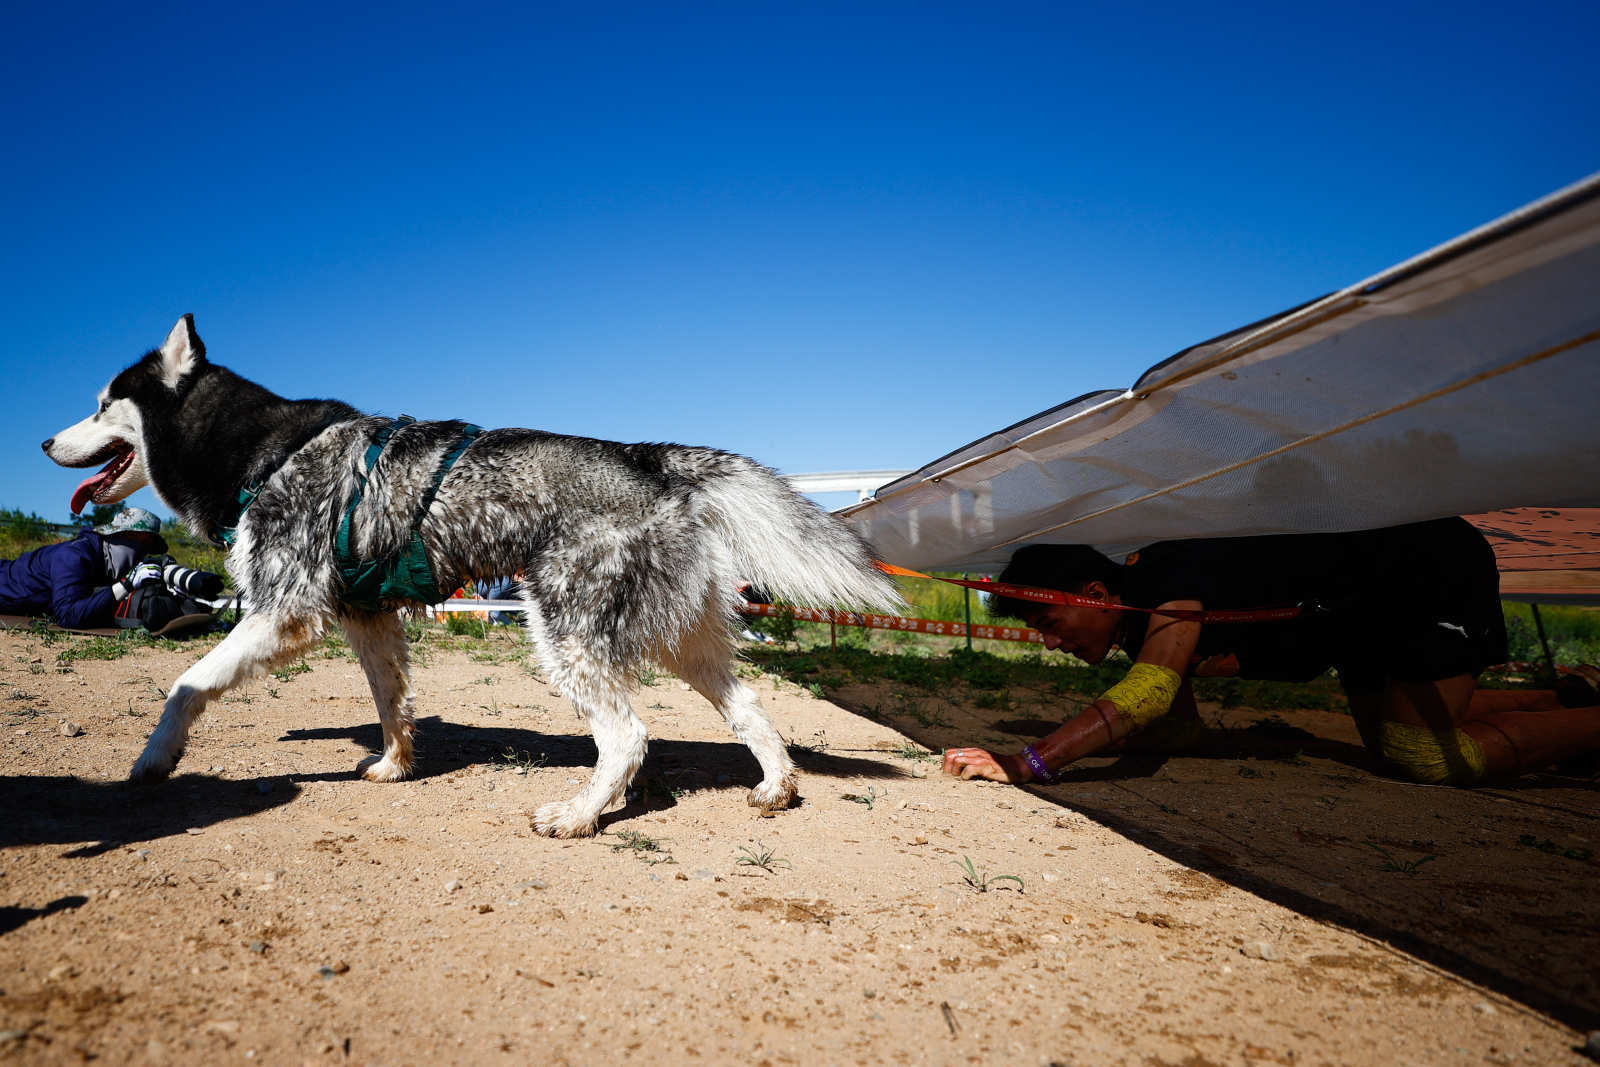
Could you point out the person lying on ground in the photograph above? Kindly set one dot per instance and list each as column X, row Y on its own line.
column 80, row 582
column 1407, row 615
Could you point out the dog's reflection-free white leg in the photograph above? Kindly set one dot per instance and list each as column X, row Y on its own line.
column 601, row 697
column 379, row 641
column 257, row 644
column 703, row 659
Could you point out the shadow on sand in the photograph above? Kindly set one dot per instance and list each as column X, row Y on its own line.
column 1493, row 884
column 99, row 817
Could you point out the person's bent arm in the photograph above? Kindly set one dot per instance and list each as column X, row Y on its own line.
column 1144, row 695
column 80, row 594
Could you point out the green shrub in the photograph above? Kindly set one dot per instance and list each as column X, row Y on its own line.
column 1573, row 633
column 466, row 623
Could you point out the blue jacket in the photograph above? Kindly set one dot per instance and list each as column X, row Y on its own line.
column 68, row 580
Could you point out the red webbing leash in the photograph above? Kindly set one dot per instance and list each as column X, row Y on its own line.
column 1055, row 596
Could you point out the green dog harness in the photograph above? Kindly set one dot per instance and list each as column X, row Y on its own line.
column 404, row 575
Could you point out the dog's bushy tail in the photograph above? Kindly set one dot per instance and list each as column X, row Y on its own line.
column 786, row 544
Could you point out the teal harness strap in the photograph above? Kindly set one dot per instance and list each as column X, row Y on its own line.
column 405, row 575
column 225, row 536
column 227, row 531
column 348, row 564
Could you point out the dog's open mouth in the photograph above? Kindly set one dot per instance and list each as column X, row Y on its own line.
column 97, row 484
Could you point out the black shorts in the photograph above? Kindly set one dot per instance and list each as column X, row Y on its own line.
column 1432, row 610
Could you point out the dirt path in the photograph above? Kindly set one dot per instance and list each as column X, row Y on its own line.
column 267, row 905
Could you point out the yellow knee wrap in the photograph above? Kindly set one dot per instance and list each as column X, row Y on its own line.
column 1438, row 759
column 1146, row 693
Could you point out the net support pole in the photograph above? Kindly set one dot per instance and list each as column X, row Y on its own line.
column 966, row 593
column 1544, row 642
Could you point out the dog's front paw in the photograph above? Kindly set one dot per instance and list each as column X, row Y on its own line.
column 560, row 820
column 155, row 766
column 382, row 769
column 775, row 796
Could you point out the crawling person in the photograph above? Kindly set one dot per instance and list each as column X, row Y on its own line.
column 1407, row 615
column 82, row 581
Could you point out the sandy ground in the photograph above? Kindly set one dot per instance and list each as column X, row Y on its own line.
column 1267, row 901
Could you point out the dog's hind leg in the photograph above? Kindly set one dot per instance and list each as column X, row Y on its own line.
column 599, row 692
column 704, row 660
column 257, row 644
column 379, row 641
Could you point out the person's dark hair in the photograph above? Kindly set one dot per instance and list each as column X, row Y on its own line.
column 1067, row 568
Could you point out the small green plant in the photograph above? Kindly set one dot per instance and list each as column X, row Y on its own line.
column 816, row 690
column 649, row 677
column 915, row 752
column 872, row 797
column 915, row 710
column 522, row 761
column 108, row 648
column 763, row 857
column 644, row 847
column 1389, row 863
column 661, row 790
column 983, row 883
column 816, row 746
column 41, row 629
column 283, row 674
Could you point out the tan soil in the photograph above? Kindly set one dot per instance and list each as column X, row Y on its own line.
column 268, row 905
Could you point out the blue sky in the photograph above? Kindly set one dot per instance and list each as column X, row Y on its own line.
column 828, row 236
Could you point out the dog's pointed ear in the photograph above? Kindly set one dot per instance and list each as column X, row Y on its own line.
column 181, row 353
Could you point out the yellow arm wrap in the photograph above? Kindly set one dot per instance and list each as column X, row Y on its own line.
column 1146, row 693
column 1454, row 758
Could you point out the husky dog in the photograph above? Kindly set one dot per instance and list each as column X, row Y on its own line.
column 630, row 554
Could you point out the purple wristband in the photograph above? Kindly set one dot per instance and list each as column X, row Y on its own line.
column 1040, row 769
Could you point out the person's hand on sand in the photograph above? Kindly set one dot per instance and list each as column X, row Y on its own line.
column 981, row 763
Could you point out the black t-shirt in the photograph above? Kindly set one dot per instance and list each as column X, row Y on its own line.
column 1416, row 603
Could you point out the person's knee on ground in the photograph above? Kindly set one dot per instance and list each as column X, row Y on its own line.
column 1430, row 757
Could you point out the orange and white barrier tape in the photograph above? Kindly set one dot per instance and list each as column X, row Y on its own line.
column 896, row 622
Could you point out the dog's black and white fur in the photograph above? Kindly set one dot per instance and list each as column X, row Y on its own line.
column 630, row 553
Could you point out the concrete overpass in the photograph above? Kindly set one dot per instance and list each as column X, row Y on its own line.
column 861, row 483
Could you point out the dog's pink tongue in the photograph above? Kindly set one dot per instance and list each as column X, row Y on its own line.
column 81, row 495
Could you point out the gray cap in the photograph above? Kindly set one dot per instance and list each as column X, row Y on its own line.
column 131, row 520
